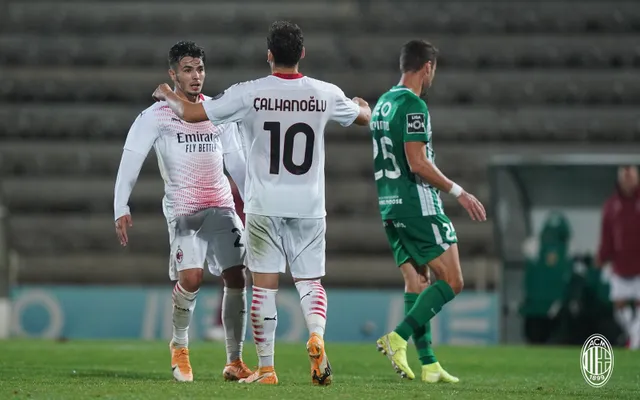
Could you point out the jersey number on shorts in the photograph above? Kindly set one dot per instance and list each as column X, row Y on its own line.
column 239, row 233
column 387, row 154
column 450, row 231
column 287, row 156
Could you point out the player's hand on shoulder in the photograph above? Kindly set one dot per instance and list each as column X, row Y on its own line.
column 160, row 94
column 359, row 101
column 122, row 224
column 473, row 206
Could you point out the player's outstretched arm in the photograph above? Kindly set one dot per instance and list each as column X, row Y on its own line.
column 419, row 164
column 141, row 137
column 185, row 110
column 364, row 117
column 128, row 172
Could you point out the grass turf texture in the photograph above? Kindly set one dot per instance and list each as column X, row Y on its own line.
column 140, row 370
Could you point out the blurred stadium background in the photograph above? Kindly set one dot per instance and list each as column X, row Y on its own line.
column 534, row 105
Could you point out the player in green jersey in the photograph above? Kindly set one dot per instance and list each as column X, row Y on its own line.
column 409, row 186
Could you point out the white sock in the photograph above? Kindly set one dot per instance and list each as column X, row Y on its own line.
column 313, row 300
column 184, row 303
column 625, row 319
column 264, row 319
column 234, row 320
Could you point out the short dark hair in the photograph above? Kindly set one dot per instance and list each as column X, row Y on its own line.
column 415, row 54
column 184, row 49
column 285, row 41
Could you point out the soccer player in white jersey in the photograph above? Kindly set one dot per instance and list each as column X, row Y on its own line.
column 198, row 205
column 282, row 118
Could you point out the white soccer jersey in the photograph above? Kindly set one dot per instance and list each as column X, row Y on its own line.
column 190, row 158
column 282, row 119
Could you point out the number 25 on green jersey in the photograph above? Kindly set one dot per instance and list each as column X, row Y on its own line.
column 386, row 144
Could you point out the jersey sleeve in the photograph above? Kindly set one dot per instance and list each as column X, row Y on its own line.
column 415, row 122
column 345, row 110
column 142, row 134
column 229, row 106
column 230, row 138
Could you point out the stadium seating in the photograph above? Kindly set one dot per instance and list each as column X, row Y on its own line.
column 512, row 77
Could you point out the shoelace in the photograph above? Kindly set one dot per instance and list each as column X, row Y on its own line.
column 182, row 356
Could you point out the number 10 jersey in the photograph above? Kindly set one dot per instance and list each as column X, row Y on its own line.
column 401, row 116
column 282, row 119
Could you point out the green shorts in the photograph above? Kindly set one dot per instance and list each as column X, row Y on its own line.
column 420, row 238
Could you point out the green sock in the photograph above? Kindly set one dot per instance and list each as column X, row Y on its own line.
column 428, row 304
column 422, row 337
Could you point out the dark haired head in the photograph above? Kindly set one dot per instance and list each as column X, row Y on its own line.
column 415, row 54
column 184, row 49
column 186, row 69
column 285, row 41
column 628, row 179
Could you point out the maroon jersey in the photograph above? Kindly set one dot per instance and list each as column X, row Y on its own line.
column 620, row 234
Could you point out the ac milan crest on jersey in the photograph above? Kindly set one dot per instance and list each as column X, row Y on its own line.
column 179, row 255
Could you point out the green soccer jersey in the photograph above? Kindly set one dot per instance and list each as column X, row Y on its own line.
column 401, row 116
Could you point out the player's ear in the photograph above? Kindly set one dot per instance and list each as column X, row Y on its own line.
column 269, row 57
column 303, row 53
column 172, row 74
column 427, row 68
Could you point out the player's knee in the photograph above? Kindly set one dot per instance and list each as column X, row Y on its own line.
column 412, row 279
column 235, row 277
column 265, row 280
column 191, row 279
column 412, row 284
column 457, row 283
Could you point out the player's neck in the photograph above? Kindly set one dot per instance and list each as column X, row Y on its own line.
column 275, row 69
column 413, row 82
column 185, row 96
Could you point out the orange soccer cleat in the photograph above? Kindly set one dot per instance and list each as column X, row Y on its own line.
column 236, row 370
column 320, row 367
column 264, row 375
column 180, row 364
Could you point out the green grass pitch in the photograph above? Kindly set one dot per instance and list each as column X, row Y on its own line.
column 34, row 369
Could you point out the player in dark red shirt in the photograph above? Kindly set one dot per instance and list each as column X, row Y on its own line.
column 620, row 246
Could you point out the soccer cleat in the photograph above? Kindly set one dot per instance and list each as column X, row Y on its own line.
column 320, row 366
column 395, row 348
column 433, row 373
column 264, row 375
column 180, row 364
column 235, row 371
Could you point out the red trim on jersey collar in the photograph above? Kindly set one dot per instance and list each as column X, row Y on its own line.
column 288, row 76
column 201, row 97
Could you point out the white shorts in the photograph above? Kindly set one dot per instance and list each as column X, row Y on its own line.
column 213, row 235
column 624, row 288
column 272, row 242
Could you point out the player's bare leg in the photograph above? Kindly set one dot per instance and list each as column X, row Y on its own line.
column 449, row 283
column 234, row 321
column 416, row 280
column 184, row 302
column 313, row 300
column 264, row 319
